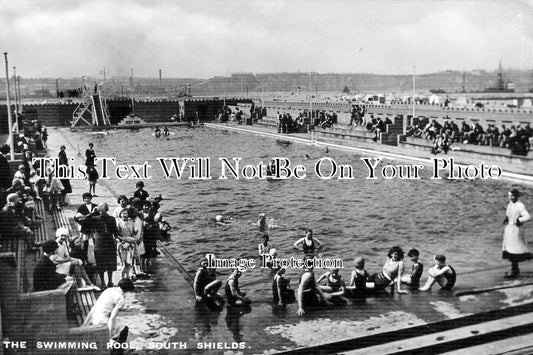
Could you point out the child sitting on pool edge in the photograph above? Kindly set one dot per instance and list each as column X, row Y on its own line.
column 442, row 273
column 413, row 279
column 358, row 278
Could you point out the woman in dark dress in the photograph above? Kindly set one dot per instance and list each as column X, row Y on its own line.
column 105, row 248
column 63, row 161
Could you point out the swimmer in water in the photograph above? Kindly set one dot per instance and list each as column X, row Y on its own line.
column 274, row 254
column 220, row 220
column 261, row 222
column 308, row 244
column 264, row 248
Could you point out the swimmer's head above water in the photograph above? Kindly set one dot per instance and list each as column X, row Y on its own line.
column 359, row 263
column 221, row 219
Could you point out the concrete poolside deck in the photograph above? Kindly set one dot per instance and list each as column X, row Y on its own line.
column 162, row 313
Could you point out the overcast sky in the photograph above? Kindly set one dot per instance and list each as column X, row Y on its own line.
column 205, row 38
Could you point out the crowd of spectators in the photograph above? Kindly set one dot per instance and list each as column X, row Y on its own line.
column 357, row 117
column 132, row 231
column 19, row 189
column 226, row 114
column 377, row 125
column 326, row 119
column 288, row 124
column 516, row 137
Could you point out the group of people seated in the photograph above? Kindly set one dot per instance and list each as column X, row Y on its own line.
column 21, row 188
column 32, row 133
column 53, row 271
column 288, row 124
column 329, row 288
column 326, row 119
column 377, row 125
column 224, row 115
column 516, row 137
column 313, row 293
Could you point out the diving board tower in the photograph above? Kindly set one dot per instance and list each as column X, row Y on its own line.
column 92, row 110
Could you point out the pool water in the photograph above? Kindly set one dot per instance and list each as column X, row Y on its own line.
column 356, row 217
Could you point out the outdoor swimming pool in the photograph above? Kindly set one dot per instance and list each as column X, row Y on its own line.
column 461, row 219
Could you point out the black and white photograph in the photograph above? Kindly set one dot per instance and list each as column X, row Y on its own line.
column 266, row 177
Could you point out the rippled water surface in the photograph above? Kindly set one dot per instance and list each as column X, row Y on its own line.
column 461, row 219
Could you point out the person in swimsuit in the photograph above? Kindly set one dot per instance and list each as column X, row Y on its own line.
column 281, row 290
column 261, row 222
column 413, row 279
column 308, row 244
column 309, row 293
column 442, row 273
column 392, row 270
column 233, row 293
column 264, row 248
column 358, row 279
column 205, row 283
column 334, row 287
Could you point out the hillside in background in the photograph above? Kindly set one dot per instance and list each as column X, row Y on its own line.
column 449, row 81
column 244, row 83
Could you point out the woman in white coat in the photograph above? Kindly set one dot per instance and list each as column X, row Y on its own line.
column 515, row 247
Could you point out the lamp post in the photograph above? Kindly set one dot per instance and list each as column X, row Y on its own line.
column 132, row 93
column 9, row 118
column 20, row 95
column 414, row 86
column 262, row 92
column 16, row 102
column 311, row 95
